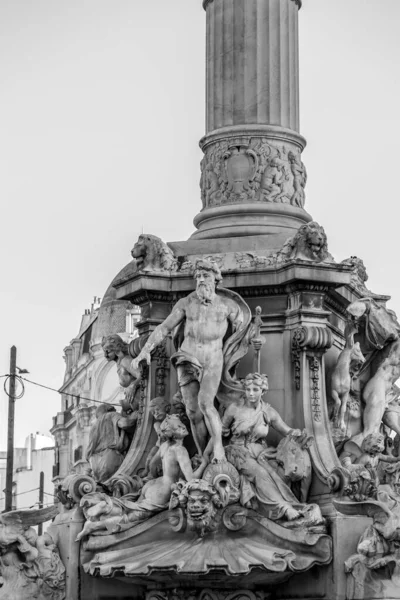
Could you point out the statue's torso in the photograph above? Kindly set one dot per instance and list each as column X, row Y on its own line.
column 205, row 327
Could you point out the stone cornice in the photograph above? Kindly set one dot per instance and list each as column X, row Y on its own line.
column 207, row 2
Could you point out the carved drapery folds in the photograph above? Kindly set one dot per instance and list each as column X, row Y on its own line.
column 252, row 170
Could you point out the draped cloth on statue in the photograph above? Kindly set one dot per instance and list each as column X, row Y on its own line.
column 381, row 324
column 153, row 547
column 107, row 442
column 259, row 480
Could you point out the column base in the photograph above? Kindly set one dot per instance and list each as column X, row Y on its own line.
column 249, row 220
column 252, row 182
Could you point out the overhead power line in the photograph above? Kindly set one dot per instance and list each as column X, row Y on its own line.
column 47, row 387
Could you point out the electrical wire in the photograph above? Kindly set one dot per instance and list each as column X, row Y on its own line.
column 20, row 493
column 19, row 379
column 46, row 387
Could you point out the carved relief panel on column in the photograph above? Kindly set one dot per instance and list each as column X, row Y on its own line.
column 252, row 170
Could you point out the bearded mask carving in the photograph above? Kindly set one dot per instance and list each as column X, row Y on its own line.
column 199, row 502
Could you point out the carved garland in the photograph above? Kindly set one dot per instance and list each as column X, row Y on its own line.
column 315, row 388
column 144, row 374
column 161, row 357
column 297, row 343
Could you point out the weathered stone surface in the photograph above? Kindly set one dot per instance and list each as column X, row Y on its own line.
column 252, row 63
column 30, row 565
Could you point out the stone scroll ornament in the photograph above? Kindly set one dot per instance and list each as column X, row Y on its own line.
column 309, row 344
column 30, row 565
column 252, row 171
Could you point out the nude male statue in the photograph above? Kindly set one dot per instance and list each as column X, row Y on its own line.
column 205, row 316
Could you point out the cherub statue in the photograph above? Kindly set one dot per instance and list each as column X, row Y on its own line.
column 159, row 408
column 363, row 461
column 299, row 179
column 155, row 494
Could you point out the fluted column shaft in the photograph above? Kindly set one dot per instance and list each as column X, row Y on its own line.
column 252, row 63
column 253, row 178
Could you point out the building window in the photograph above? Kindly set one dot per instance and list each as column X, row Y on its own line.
column 86, row 340
column 132, row 317
column 78, row 454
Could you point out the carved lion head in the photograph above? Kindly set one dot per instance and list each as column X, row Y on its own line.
column 315, row 240
column 309, row 243
column 152, row 254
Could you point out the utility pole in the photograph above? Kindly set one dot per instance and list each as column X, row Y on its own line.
column 41, row 497
column 10, row 438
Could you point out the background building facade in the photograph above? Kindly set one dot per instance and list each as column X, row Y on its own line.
column 89, row 377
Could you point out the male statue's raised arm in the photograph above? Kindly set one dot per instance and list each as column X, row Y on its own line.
column 160, row 333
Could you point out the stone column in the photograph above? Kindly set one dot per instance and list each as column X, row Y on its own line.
column 253, row 178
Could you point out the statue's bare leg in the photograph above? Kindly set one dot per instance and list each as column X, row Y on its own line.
column 342, row 412
column 373, row 413
column 336, row 406
column 392, row 420
column 190, row 394
column 208, row 390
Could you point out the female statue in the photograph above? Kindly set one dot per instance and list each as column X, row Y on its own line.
column 248, row 423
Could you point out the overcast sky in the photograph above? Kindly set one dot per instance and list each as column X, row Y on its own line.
column 101, row 110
